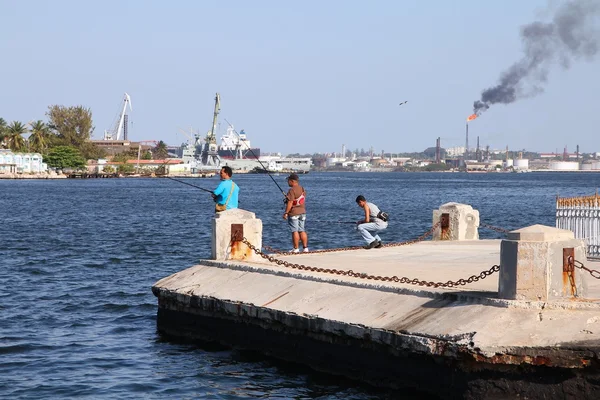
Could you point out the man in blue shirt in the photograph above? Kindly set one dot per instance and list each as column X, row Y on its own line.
column 226, row 194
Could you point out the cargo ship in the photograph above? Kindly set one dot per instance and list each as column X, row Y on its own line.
column 236, row 146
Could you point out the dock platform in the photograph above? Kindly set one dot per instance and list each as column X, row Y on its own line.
column 448, row 341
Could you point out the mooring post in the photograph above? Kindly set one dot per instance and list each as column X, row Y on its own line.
column 229, row 228
column 537, row 263
column 456, row 222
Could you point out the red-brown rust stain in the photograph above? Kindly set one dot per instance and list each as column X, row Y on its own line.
column 514, row 359
column 567, row 287
column 239, row 251
column 274, row 300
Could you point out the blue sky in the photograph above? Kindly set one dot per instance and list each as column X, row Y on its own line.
column 296, row 76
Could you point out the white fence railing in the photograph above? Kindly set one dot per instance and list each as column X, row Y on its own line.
column 581, row 215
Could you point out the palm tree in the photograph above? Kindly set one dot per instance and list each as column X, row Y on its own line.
column 15, row 139
column 160, row 151
column 39, row 136
column 2, row 132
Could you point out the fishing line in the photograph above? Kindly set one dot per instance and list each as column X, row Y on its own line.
column 261, row 164
column 189, row 184
column 332, row 222
column 177, row 180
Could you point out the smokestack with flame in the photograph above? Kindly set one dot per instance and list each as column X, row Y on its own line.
column 571, row 35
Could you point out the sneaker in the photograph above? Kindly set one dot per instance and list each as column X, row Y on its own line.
column 379, row 244
column 305, row 250
column 371, row 245
column 294, row 251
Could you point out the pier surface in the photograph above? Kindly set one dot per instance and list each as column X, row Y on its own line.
column 390, row 333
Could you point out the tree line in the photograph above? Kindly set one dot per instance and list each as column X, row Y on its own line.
column 67, row 132
column 64, row 140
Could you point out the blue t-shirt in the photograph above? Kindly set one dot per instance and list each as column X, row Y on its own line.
column 222, row 192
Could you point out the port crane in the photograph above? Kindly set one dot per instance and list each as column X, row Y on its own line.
column 120, row 124
column 209, row 154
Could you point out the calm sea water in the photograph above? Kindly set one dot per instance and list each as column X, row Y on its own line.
column 78, row 258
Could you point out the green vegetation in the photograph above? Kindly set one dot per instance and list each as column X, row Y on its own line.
column 160, row 151
column 436, row 167
column 38, row 141
column 67, row 126
column 124, row 156
column 73, row 126
column 14, row 136
column 125, row 169
column 64, row 157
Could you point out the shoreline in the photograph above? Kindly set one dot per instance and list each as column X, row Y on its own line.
column 62, row 176
column 32, row 176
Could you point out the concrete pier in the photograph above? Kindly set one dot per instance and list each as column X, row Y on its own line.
column 453, row 342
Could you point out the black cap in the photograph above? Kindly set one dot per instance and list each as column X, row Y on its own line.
column 293, row 177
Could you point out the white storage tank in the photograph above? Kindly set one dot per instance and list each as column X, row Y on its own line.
column 564, row 165
column 596, row 165
column 522, row 164
column 508, row 163
column 586, row 166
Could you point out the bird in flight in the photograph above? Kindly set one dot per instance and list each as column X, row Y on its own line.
column 404, row 102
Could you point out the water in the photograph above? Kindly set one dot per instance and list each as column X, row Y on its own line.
column 78, row 258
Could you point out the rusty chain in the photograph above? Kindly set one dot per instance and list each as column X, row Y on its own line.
column 337, row 249
column 461, row 282
column 494, row 228
column 570, row 272
column 594, row 273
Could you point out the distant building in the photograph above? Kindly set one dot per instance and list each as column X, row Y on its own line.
column 171, row 164
column 559, row 155
column 400, row 160
column 21, row 163
column 113, row 147
column 455, row 151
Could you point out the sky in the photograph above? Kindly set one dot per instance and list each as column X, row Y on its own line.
column 298, row 77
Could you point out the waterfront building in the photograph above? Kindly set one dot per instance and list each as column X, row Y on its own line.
column 21, row 163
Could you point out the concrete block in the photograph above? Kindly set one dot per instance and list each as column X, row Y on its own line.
column 531, row 265
column 540, row 233
column 222, row 246
column 463, row 222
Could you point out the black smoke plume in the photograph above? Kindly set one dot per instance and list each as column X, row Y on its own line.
column 570, row 36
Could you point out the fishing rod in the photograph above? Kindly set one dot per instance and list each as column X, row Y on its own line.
column 261, row 164
column 177, row 180
column 189, row 184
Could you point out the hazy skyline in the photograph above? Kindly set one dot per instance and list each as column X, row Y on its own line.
column 298, row 77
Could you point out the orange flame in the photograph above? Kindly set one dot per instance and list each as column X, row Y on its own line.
column 471, row 117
